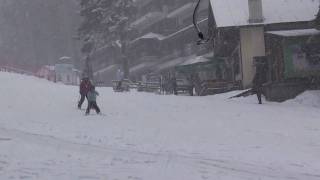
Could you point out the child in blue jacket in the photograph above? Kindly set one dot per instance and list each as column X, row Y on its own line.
column 92, row 100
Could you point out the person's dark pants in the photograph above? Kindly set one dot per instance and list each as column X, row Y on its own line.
column 83, row 96
column 191, row 91
column 119, row 85
column 92, row 104
column 258, row 92
column 175, row 92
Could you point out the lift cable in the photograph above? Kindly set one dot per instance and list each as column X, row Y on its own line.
column 202, row 39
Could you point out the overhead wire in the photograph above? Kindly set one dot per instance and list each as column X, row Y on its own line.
column 202, row 39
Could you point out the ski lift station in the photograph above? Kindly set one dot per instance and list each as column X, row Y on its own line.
column 163, row 41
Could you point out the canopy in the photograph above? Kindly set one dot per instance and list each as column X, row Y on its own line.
column 195, row 60
column 107, row 69
column 171, row 63
column 141, row 67
column 295, row 33
column 200, row 63
column 149, row 35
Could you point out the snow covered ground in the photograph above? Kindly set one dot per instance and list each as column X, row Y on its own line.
column 152, row 137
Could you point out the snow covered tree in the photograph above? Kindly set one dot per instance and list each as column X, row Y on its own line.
column 105, row 21
column 317, row 21
column 37, row 32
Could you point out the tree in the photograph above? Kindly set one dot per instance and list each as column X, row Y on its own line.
column 317, row 21
column 37, row 32
column 105, row 21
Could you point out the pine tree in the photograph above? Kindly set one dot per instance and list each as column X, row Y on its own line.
column 105, row 21
column 317, row 21
column 37, row 32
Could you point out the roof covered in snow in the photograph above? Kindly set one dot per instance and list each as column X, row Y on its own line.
column 197, row 59
column 141, row 67
column 106, row 69
column 64, row 58
column 295, row 33
column 172, row 63
column 149, row 35
column 229, row 13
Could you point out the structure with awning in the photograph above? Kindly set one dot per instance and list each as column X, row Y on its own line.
column 294, row 53
column 140, row 69
column 206, row 66
column 105, row 75
column 147, row 36
column 248, row 20
column 171, row 64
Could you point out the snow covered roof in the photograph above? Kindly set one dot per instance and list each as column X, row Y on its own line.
column 64, row 58
column 293, row 33
column 150, row 35
column 141, row 66
column 194, row 60
column 108, row 68
column 229, row 13
column 171, row 63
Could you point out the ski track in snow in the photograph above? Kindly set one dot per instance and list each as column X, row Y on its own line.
column 148, row 136
column 117, row 158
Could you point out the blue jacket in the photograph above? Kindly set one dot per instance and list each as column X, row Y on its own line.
column 92, row 95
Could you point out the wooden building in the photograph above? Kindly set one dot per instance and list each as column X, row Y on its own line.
column 294, row 62
column 240, row 26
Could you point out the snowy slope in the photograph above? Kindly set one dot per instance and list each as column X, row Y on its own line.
column 147, row 136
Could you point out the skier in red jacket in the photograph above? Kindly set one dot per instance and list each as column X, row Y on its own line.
column 85, row 86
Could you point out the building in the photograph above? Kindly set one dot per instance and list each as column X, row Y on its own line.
column 65, row 72
column 241, row 27
column 163, row 40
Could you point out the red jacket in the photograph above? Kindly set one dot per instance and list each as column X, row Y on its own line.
column 85, row 86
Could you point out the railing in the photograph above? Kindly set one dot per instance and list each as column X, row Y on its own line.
column 149, row 86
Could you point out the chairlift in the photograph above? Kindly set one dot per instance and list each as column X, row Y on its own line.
column 202, row 39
